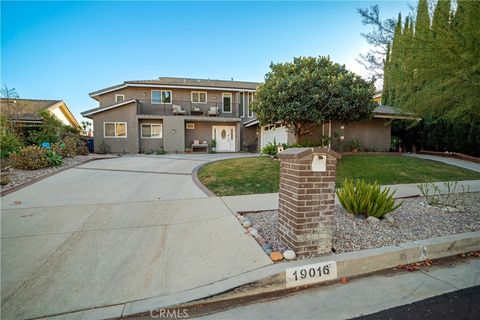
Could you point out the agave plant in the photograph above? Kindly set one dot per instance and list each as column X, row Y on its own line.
column 368, row 199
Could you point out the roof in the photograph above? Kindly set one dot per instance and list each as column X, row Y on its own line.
column 100, row 109
column 28, row 109
column 181, row 82
column 383, row 111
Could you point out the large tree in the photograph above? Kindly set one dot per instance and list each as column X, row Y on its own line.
column 310, row 91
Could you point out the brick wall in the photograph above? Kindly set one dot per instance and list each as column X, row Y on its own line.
column 306, row 200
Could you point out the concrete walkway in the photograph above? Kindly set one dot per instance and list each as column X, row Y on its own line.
column 269, row 201
column 452, row 161
column 113, row 231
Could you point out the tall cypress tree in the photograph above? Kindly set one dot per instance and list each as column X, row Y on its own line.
column 386, row 78
column 395, row 63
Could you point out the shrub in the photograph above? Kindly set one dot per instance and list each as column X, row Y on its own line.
column 355, row 144
column 271, row 149
column 160, row 151
column 4, row 180
column 9, row 143
column 366, row 198
column 30, row 158
column 54, row 159
column 103, row 148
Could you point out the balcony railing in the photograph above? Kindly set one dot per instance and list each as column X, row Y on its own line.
column 188, row 108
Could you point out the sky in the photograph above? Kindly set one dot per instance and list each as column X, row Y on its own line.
column 64, row 50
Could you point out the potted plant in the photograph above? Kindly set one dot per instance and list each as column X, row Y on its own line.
column 355, row 145
column 213, row 145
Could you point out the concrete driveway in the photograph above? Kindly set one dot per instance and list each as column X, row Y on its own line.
column 118, row 230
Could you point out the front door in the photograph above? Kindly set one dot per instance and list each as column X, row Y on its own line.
column 225, row 137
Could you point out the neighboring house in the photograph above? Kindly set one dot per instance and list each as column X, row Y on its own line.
column 180, row 115
column 175, row 114
column 25, row 112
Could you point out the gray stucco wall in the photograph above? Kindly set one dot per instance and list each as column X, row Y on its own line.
column 174, row 134
column 375, row 134
column 126, row 114
column 148, row 144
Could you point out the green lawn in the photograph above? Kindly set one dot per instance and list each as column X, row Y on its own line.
column 261, row 174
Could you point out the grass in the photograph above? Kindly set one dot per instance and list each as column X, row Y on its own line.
column 241, row 176
column 261, row 174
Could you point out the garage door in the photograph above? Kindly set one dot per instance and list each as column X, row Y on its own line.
column 269, row 133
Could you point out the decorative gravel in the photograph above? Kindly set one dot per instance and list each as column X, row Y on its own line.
column 18, row 176
column 414, row 220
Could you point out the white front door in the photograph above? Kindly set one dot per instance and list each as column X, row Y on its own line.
column 225, row 137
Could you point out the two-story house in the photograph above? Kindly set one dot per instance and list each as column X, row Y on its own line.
column 180, row 115
column 175, row 114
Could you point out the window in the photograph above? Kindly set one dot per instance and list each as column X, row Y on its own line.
column 199, row 97
column 114, row 129
column 227, row 102
column 241, row 109
column 161, row 96
column 150, row 130
column 119, row 97
column 250, row 100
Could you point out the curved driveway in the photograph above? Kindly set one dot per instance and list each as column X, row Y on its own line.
column 116, row 230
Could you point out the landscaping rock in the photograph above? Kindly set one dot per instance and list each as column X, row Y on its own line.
column 276, row 256
column 267, row 247
column 461, row 208
column 289, row 255
column 360, row 217
column 247, row 224
column 388, row 217
column 253, row 232
column 373, row 220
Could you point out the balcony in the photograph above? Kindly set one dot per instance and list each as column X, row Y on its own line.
column 187, row 108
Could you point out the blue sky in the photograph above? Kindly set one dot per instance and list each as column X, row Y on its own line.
column 64, row 50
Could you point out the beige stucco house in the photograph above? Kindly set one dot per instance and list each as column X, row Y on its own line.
column 25, row 112
column 179, row 115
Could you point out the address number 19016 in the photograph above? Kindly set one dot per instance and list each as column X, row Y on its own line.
column 312, row 273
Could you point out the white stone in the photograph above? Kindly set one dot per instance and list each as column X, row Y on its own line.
column 289, row 255
column 253, row 232
column 388, row 217
column 247, row 224
column 373, row 220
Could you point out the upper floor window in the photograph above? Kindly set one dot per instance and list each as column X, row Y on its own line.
column 227, row 102
column 119, row 97
column 199, row 97
column 250, row 100
column 241, row 111
column 114, row 129
column 161, row 96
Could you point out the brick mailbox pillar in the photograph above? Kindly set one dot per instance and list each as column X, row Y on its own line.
column 306, row 199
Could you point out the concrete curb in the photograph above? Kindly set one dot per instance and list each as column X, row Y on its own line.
column 30, row 182
column 348, row 265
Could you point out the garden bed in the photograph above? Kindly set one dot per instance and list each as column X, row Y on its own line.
column 414, row 220
column 19, row 177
